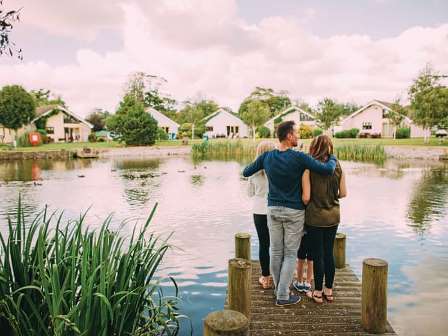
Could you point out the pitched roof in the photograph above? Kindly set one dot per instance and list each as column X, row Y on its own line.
column 288, row 110
column 160, row 115
column 42, row 111
column 220, row 110
column 386, row 105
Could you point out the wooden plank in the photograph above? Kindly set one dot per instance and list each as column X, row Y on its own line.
column 342, row 317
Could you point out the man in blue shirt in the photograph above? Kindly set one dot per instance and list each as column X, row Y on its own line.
column 284, row 168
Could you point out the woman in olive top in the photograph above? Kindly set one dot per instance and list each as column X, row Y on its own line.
column 322, row 216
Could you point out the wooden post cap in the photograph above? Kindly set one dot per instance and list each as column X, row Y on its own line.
column 340, row 235
column 375, row 262
column 242, row 235
column 226, row 323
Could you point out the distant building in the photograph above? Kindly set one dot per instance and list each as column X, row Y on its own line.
column 62, row 125
column 372, row 119
column 294, row 113
column 225, row 124
column 8, row 135
column 168, row 125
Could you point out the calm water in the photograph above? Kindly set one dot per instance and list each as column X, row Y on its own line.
column 398, row 212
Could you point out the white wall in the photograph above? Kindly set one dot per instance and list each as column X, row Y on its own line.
column 163, row 121
column 220, row 123
column 373, row 114
column 294, row 116
column 57, row 122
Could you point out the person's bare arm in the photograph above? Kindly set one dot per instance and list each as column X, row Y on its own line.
column 342, row 186
column 306, row 187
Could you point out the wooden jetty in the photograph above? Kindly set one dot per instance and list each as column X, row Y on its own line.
column 360, row 308
column 342, row 317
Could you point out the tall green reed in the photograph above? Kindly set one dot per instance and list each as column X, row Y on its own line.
column 60, row 279
column 245, row 151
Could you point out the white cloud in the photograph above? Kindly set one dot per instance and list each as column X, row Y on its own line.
column 203, row 46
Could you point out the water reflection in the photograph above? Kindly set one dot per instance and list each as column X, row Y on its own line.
column 426, row 303
column 428, row 203
column 205, row 203
column 139, row 178
column 31, row 170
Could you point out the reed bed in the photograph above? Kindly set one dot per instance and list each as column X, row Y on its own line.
column 68, row 280
column 245, row 151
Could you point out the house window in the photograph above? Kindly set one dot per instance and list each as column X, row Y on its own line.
column 366, row 125
column 385, row 113
column 209, row 128
column 305, row 117
column 49, row 130
column 237, row 129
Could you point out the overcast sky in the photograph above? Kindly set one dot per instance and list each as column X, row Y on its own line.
column 351, row 50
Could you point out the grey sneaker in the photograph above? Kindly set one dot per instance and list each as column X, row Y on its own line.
column 298, row 286
column 293, row 299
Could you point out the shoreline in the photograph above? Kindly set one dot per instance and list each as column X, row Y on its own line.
column 393, row 152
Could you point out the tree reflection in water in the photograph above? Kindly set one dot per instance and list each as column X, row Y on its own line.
column 140, row 177
column 429, row 200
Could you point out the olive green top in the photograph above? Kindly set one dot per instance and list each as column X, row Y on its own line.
column 323, row 208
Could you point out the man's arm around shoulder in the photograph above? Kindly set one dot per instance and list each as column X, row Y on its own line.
column 255, row 166
column 324, row 168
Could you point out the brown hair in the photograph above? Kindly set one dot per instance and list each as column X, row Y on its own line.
column 321, row 148
column 284, row 128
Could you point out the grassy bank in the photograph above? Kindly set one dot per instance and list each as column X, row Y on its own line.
column 65, row 279
column 245, row 151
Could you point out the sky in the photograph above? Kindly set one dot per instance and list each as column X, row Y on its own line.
column 349, row 50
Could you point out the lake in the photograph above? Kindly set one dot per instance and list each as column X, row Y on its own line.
column 397, row 211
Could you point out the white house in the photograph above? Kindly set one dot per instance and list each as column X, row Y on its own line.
column 294, row 113
column 8, row 135
column 167, row 124
column 224, row 124
column 62, row 125
column 372, row 119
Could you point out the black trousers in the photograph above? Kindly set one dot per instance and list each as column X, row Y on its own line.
column 322, row 241
column 261, row 224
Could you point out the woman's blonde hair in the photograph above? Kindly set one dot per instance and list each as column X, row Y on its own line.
column 264, row 146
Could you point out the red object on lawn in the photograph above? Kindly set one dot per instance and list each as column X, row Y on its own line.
column 34, row 138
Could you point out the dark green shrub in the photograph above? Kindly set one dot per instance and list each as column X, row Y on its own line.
column 317, row 132
column 92, row 137
column 263, row 132
column 45, row 138
column 24, row 140
column 351, row 133
column 161, row 134
column 403, row 133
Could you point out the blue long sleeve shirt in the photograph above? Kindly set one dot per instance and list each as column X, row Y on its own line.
column 284, row 170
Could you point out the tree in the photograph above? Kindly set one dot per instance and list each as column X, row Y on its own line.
column 132, row 124
column 194, row 113
column 429, row 100
column 17, row 107
column 328, row 112
column 44, row 97
column 256, row 113
column 98, row 119
column 397, row 115
column 276, row 101
column 7, row 20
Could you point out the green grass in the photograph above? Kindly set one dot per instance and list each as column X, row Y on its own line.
column 60, row 279
column 242, row 150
